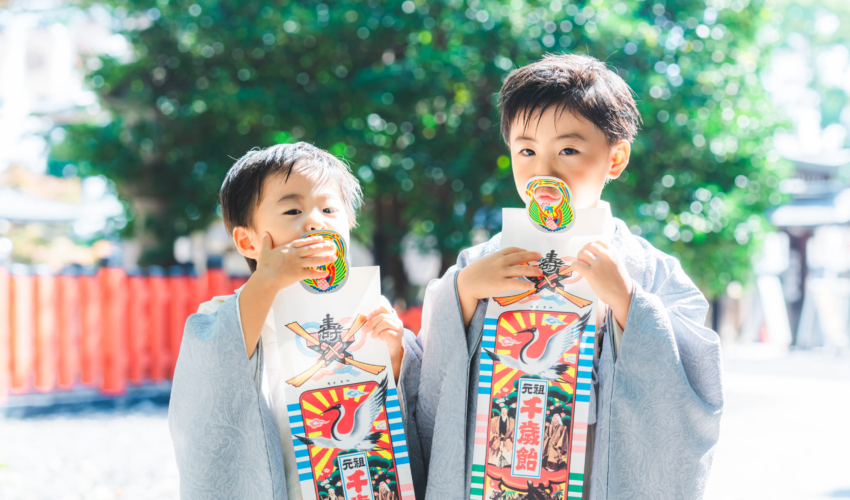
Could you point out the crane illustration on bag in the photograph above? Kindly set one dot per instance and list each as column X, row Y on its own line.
column 360, row 437
column 548, row 365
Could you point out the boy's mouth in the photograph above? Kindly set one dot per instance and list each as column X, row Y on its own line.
column 547, row 195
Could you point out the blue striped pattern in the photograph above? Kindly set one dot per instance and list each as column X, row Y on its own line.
column 585, row 364
column 488, row 341
column 396, row 428
column 302, row 454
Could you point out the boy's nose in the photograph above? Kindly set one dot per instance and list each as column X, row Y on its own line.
column 544, row 169
column 315, row 222
column 314, row 226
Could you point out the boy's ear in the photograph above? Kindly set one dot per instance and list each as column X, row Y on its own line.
column 619, row 158
column 244, row 243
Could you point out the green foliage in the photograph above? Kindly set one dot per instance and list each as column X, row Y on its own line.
column 818, row 29
column 406, row 91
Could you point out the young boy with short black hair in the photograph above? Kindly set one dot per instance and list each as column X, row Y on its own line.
column 657, row 377
column 222, row 420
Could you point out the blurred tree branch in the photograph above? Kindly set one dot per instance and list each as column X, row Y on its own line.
column 405, row 91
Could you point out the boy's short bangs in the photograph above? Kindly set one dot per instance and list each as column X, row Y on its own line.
column 535, row 110
column 328, row 176
column 242, row 189
column 580, row 84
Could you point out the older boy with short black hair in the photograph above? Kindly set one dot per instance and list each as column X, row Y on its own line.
column 658, row 375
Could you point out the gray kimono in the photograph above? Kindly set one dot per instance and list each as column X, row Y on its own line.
column 222, row 424
column 658, row 401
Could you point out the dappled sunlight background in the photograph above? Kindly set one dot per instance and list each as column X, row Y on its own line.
column 118, row 120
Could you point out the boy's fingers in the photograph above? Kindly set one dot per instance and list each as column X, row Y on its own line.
column 521, row 257
column 327, row 254
column 316, row 261
column 386, row 331
column 374, row 316
column 391, row 338
column 385, row 324
column 371, row 324
column 586, row 257
column 600, row 248
column 395, row 334
column 379, row 327
column 267, row 241
column 379, row 310
column 579, row 267
column 320, row 255
column 510, row 250
column 314, row 274
column 312, row 240
column 306, row 242
column 318, row 244
column 586, row 248
column 527, row 271
column 318, row 248
column 385, row 335
column 518, row 284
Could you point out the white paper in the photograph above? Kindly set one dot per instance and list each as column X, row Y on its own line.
column 531, row 341
column 333, row 376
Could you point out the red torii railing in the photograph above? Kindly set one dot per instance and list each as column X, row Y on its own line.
column 102, row 329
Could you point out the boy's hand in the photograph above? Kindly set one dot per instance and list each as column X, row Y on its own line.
column 278, row 268
column 384, row 324
column 605, row 271
column 494, row 274
column 287, row 264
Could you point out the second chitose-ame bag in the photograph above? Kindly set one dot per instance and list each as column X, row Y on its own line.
column 537, row 357
column 336, row 383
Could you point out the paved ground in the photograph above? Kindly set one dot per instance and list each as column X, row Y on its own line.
column 785, row 435
column 100, row 455
column 786, row 431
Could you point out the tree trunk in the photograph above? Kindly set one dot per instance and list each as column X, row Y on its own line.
column 389, row 231
column 447, row 260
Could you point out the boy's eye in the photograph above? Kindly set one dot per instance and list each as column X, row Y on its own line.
column 329, row 210
column 526, row 152
column 569, row 151
column 293, row 211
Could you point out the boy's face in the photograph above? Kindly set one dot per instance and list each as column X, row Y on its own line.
column 567, row 146
column 291, row 207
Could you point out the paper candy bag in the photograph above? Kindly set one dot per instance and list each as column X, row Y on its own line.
column 338, row 390
column 536, row 364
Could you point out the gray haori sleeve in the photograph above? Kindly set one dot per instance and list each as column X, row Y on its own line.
column 435, row 382
column 660, row 400
column 224, row 433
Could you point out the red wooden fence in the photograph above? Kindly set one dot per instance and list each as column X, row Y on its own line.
column 5, row 335
column 103, row 329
